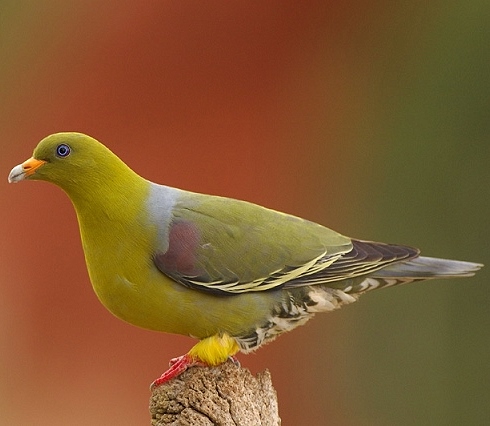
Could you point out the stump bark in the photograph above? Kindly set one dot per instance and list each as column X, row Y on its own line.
column 227, row 395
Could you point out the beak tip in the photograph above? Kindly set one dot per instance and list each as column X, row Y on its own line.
column 16, row 174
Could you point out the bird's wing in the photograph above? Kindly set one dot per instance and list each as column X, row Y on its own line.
column 364, row 258
column 228, row 246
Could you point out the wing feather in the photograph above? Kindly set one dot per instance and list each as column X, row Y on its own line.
column 226, row 246
column 364, row 258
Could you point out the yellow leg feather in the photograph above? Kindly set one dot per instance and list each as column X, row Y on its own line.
column 214, row 350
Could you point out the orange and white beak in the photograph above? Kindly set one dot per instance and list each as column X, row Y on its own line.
column 24, row 170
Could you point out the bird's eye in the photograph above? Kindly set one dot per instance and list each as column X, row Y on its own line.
column 63, row 150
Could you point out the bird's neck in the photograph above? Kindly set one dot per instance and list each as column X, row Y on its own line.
column 110, row 217
column 104, row 200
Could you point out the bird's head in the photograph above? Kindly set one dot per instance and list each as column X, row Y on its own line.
column 59, row 158
column 75, row 162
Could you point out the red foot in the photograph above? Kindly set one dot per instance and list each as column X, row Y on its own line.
column 177, row 366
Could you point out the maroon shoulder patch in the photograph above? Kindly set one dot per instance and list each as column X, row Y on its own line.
column 181, row 256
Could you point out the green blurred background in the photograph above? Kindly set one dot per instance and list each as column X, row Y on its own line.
column 371, row 117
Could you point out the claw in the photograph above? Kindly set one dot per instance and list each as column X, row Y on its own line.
column 177, row 366
column 235, row 360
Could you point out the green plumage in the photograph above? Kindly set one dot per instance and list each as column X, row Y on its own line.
column 207, row 266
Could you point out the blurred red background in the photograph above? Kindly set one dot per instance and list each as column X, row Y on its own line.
column 367, row 117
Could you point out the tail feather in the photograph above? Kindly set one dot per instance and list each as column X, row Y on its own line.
column 423, row 267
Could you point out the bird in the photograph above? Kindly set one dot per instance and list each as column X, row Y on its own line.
column 230, row 273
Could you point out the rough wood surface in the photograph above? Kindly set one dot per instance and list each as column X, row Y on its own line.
column 227, row 395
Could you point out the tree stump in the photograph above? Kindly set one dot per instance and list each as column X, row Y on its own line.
column 227, row 395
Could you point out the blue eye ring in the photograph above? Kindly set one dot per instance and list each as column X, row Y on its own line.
column 63, row 150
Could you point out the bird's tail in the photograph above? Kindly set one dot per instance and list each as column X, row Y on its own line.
column 415, row 269
column 423, row 268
